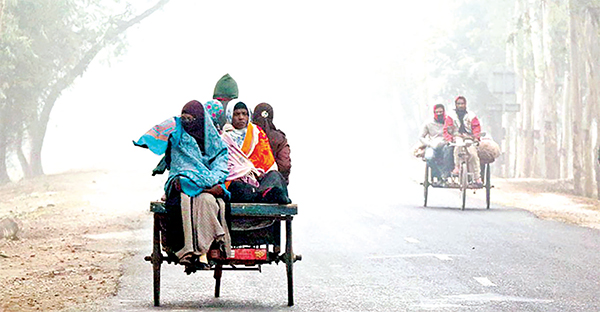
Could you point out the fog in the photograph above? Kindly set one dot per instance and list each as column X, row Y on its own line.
column 331, row 70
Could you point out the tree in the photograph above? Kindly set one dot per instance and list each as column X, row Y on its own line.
column 464, row 61
column 57, row 40
column 575, row 98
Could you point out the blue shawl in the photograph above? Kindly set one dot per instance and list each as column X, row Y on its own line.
column 196, row 171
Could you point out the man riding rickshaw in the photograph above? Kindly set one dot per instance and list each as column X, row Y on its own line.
column 463, row 124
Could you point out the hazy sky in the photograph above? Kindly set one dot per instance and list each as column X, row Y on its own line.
column 331, row 70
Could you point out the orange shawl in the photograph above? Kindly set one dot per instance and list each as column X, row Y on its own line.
column 255, row 148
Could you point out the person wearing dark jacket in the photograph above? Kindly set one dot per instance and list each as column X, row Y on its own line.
column 263, row 117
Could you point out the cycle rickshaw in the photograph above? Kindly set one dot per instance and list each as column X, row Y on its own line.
column 462, row 181
column 253, row 247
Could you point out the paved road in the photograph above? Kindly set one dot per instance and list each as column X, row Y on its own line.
column 395, row 255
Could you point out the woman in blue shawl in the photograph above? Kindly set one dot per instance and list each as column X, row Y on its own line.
column 197, row 161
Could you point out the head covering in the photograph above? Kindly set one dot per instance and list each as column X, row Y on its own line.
column 226, row 88
column 196, row 127
column 216, row 112
column 443, row 117
column 194, row 169
column 263, row 117
column 231, row 108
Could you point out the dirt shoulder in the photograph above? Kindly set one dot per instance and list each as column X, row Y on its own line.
column 546, row 199
column 55, row 263
column 62, row 258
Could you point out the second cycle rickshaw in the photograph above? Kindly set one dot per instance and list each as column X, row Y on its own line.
column 464, row 180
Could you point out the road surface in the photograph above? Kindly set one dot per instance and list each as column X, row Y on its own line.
column 367, row 254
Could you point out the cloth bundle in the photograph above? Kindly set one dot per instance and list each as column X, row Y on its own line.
column 488, row 151
column 419, row 151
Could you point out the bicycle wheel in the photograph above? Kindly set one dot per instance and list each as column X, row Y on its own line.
column 426, row 184
column 463, row 183
column 488, row 185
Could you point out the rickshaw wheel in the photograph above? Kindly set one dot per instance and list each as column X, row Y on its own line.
column 426, row 184
column 156, row 259
column 289, row 260
column 463, row 184
column 488, row 185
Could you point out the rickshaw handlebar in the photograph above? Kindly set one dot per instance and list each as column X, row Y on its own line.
column 464, row 142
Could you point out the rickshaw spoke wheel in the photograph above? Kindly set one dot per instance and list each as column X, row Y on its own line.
column 463, row 184
column 156, row 259
column 488, row 185
column 426, row 184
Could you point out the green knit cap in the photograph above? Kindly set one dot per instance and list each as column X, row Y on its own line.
column 226, row 87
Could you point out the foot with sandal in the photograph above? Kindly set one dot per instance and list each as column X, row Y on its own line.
column 193, row 262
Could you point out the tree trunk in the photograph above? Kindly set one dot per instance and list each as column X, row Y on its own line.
column 25, row 167
column 36, row 168
column 576, row 106
column 525, row 95
column 597, row 153
column 550, row 109
column 597, row 168
column 589, row 150
column 513, row 125
column 540, row 92
column 529, row 91
column 2, row 6
column 594, row 57
column 4, row 178
column 528, row 148
column 566, row 139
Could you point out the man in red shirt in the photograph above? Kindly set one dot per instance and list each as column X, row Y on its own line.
column 463, row 123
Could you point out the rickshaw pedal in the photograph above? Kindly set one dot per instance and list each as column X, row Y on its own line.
column 149, row 258
column 161, row 258
column 295, row 257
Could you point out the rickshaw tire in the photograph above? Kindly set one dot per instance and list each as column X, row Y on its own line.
column 463, row 184
column 488, row 185
column 156, row 260
column 289, row 260
column 426, row 184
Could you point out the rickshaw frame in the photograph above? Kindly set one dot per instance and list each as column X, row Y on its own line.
column 275, row 212
column 461, row 181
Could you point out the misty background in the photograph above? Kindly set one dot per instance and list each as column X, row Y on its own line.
column 332, row 72
column 350, row 83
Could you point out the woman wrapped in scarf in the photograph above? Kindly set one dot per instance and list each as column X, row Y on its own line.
column 253, row 175
column 263, row 117
column 196, row 157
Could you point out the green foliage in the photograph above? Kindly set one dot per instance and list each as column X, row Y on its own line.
column 466, row 56
column 42, row 40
